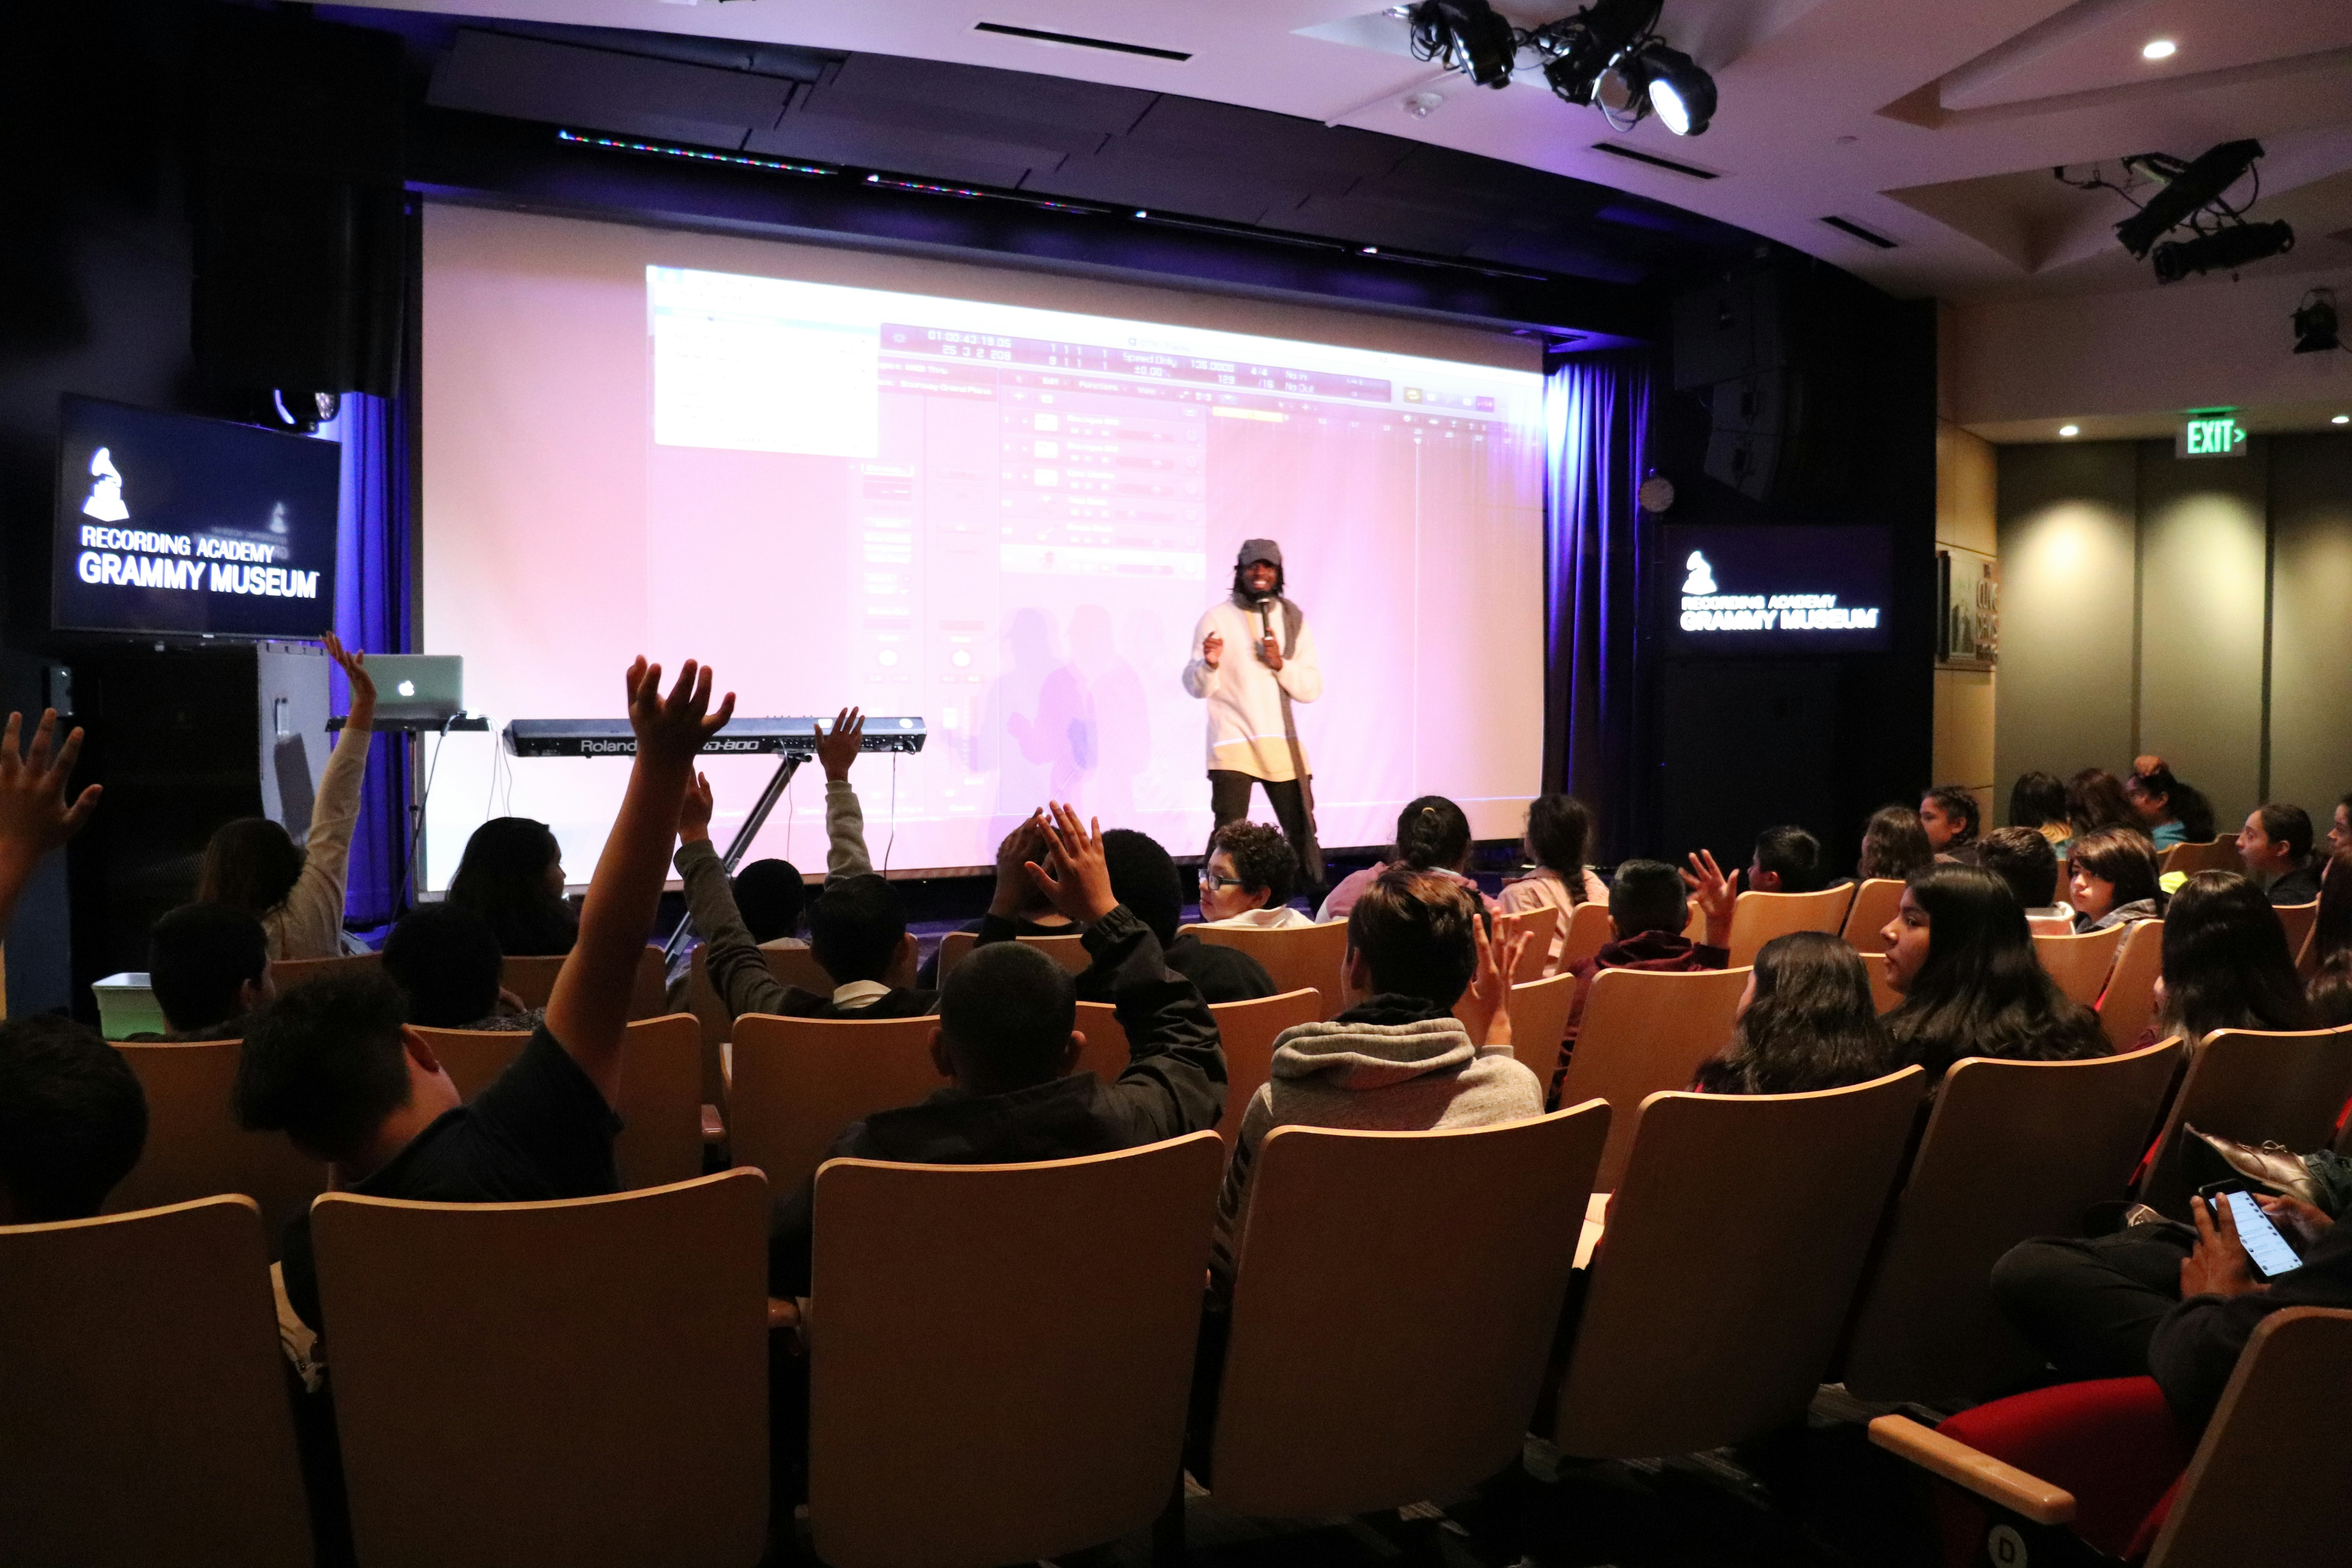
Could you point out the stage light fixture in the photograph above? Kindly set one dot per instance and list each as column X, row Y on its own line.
column 1464, row 36
column 2224, row 250
column 2188, row 189
column 2316, row 324
column 1681, row 94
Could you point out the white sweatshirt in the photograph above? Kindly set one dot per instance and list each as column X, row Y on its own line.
column 1245, row 697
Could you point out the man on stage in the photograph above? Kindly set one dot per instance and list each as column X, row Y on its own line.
column 1253, row 657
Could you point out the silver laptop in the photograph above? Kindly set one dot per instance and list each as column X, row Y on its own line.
column 418, row 688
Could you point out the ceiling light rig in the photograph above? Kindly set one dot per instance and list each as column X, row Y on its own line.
column 1608, row 56
column 2191, row 195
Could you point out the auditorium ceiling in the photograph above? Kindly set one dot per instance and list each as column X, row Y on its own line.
column 1931, row 126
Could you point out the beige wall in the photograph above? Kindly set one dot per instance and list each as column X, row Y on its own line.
column 2311, row 622
column 2204, row 590
column 1967, row 478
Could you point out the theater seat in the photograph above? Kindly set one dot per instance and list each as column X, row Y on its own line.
column 533, row 980
column 794, row 1083
column 1758, row 917
column 1295, row 956
column 1874, row 907
column 2269, row 1486
column 2080, row 964
column 1643, row 1032
column 2257, row 1088
column 286, row 973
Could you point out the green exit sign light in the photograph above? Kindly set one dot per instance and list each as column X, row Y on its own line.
column 2215, row 436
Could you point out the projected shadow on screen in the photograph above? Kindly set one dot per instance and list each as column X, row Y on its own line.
column 1085, row 736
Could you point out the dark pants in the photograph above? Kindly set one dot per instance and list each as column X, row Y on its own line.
column 2090, row 1306
column 1229, row 797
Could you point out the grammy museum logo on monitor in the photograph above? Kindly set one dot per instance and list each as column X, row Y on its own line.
column 1707, row 608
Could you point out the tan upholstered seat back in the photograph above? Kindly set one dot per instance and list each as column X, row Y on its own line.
column 2286, row 1089
column 2012, row 1150
column 2239, row 1504
column 1589, row 932
column 1872, row 909
column 533, row 980
column 1643, row 1032
column 2129, row 1004
column 1758, row 917
column 286, row 973
column 1537, row 925
column 661, row 1090
column 1248, row 1031
column 1734, row 1245
column 1295, row 956
column 2211, row 855
column 577, row 1384
column 146, row 1415
column 1438, row 1301
column 797, row 1083
column 1000, row 1355
column 194, row 1148
column 2080, row 964
column 1540, row 1022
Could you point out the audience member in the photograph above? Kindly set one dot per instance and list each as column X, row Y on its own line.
column 73, row 1119
column 770, row 895
column 2038, row 800
column 2331, row 928
column 2023, row 858
column 2114, row 879
column 2169, row 811
column 446, row 962
column 1018, row 900
column 2329, row 994
column 296, row 893
column 1248, row 877
column 332, row 1064
column 858, row 926
column 1431, row 834
column 511, row 875
column 1787, row 860
column 1559, row 834
column 1395, row 1058
column 2339, row 828
column 1144, row 881
column 2226, row 965
column 2275, row 847
column 209, row 967
column 1960, row 954
column 1806, row 1021
column 1893, row 846
column 1006, row 1044
column 1648, row 905
column 2096, row 799
column 1949, row 814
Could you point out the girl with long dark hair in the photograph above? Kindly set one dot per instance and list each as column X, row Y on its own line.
column 1959, row 953
column 1806, row 1023
column 2226, row 965
column 1432, row 834
column 1894, row 845
column 1560, row 835
column 513, row 875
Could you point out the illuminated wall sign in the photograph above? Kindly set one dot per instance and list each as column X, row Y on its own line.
column 2211, row 436
column 1795, row 590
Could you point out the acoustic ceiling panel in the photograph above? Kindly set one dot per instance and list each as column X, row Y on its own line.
column 601, row 90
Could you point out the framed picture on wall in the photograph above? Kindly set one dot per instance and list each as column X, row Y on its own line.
column 1968, row 593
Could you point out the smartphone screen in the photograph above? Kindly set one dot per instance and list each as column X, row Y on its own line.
column 2261, row 1239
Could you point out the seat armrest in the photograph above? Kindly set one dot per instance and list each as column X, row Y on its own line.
column 714, row 1126
column 2027, row 1496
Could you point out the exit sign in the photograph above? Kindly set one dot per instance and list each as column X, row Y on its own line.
column 2211, row 436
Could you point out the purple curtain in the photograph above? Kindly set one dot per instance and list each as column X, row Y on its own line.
column 1596, row 424
column 373, row 613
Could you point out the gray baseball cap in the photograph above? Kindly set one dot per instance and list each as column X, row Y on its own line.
column 1256, row 550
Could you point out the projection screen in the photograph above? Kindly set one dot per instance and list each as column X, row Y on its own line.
column 995, row 499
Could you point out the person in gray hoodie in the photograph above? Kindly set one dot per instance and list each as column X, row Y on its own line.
column 1397, row 1059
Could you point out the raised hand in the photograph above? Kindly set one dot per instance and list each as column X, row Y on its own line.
column 34, row 817
column 671, row 730
column 1080, row 886
column 836, row 748
column 1484, row 1009
column 1023, row 845
column 1714, row 893
column 1212, row 649
column 694, row 812
column 354, row 664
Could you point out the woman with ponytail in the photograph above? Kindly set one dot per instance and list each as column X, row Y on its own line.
column 1431, row 834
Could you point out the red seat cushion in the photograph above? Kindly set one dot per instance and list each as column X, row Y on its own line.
column 2113, row 1443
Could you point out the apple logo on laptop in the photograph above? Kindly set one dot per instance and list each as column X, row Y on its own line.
column 406, row 688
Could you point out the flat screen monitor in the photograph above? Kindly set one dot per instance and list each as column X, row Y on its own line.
column 169, row 525
column 1798, row 590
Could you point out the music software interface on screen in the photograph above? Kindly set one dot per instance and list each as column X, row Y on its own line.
column 1008, row 476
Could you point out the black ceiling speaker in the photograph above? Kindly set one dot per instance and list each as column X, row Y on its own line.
column 300, row 240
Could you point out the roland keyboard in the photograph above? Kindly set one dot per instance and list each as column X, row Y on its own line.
column 743, row 737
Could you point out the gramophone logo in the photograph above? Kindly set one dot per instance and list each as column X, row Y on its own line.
column 105, row 502
column 1706, row 608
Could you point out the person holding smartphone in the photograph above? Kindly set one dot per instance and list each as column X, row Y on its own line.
column 2170, row 1302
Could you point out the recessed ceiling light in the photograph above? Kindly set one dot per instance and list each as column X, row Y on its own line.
column 2070, row 430
column 2341, row 419
column 2159, row 49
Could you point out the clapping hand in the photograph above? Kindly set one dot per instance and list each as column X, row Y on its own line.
column 1714, row 892
column 1486, row 1009
column 1023, row 845
column 837, row 748
column 1081, row 889
column 34, row 816
column 671, row 730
